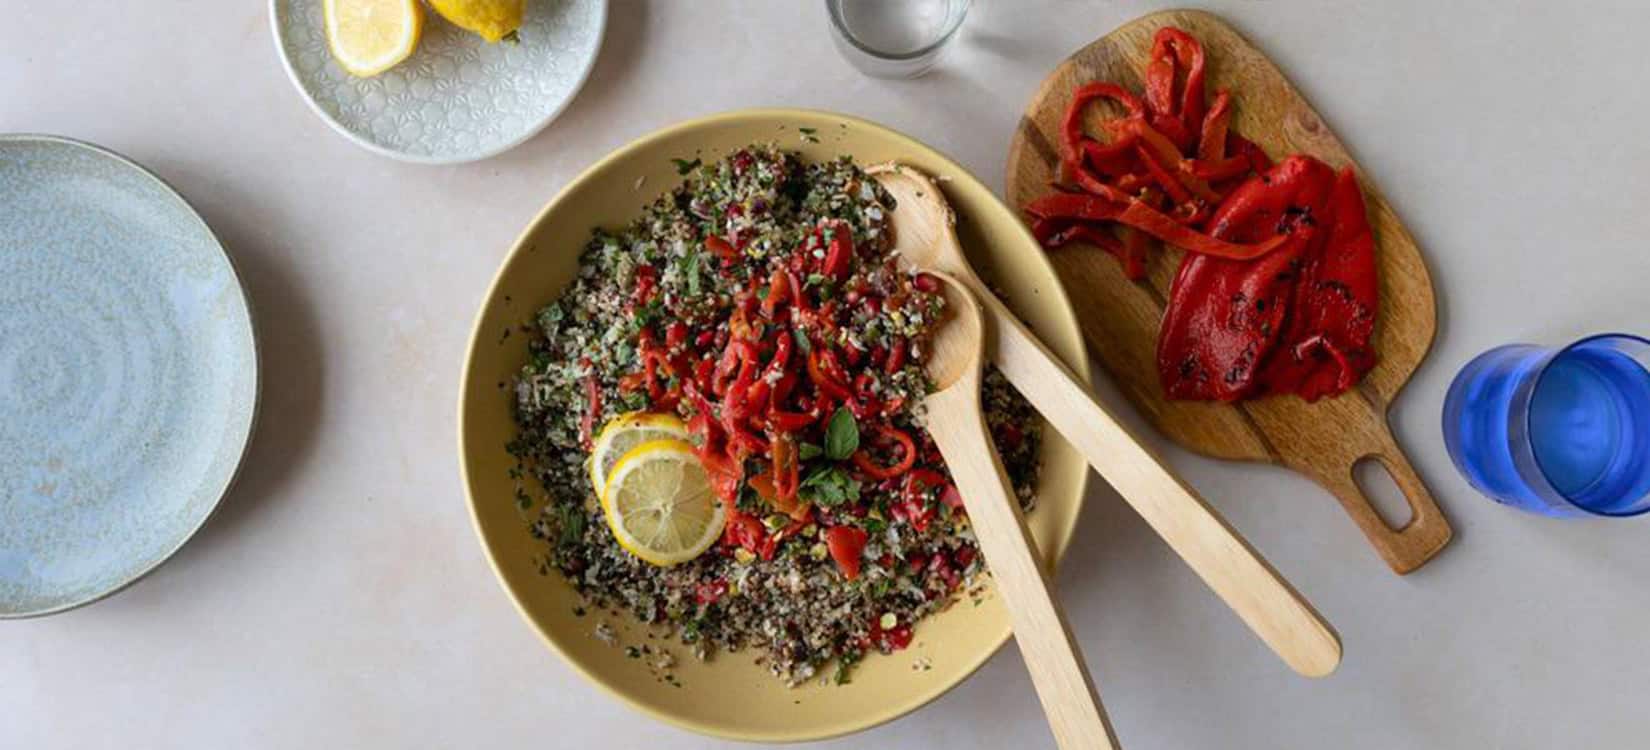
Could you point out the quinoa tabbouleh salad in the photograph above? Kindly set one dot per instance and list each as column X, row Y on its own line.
column 725, row 413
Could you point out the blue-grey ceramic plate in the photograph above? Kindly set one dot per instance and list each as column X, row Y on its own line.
column 128, row 373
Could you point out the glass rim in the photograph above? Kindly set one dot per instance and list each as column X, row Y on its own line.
column 1535, row 384
column 833, row 8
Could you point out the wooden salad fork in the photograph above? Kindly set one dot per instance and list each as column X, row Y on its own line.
column 959, row 429
column 925, row 236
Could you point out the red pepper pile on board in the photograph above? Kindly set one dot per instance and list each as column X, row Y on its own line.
column 1277, row 292
column 771, row 378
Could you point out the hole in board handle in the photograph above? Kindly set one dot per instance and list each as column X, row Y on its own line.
column 1377, row 484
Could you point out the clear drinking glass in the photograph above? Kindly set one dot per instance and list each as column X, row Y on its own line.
column 1560, row 432
column 894, row 38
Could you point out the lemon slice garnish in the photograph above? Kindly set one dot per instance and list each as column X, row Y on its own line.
column 368, row 37
column 660, row 505
column 625, row 432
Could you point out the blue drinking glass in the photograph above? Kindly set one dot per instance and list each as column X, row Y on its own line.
column 1560, row 432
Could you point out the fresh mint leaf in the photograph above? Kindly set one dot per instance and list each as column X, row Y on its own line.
column 809, row 451
column 683, row 166
column 829, row 487
column 841, row 435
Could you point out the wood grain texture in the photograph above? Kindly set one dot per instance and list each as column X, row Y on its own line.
column 1120, row 318
column 1051, row 654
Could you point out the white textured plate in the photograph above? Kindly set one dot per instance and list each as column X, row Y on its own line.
column 128, row 373
column 457, row 98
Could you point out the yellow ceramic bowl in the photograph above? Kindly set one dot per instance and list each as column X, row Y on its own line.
column 730, row 695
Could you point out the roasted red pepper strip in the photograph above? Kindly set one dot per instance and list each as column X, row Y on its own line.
column 908, row 455
column 1134, row 249
column 782, row 389
column 1048, row 231
column 785, row 470
column 1226, row 316
column 725, row 474
column 756, row 398
column 784, row 421
column 703, row 372
column 1327, row 347
column 1160, row 174
column 676, row 335
column 1221, row 169
column 1071, row 126
column 736, row 403
column 799, row 296
column 839, row 251
column 1085, row 178
column 1211, row 144
column 826, row 384
column 778, row 292
column 729, row 366
column 721, row 249
column 1160, row 154
column 1172, row 50
column 783, row 343
column 592, row 409
column 647, row 281
column 1115, row 158
column 1149, row 220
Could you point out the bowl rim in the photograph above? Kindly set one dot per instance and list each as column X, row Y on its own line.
column 436, row 160
column 1057, row 295
column 245, row 297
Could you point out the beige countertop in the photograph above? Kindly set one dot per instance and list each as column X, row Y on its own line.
column 340, row 598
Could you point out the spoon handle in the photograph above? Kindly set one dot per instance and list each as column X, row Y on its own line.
column 1236, row 572
column 1051, row 655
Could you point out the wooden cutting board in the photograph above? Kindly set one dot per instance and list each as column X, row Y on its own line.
column 1120, row 318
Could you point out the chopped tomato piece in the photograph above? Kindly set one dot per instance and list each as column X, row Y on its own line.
column 845, row 544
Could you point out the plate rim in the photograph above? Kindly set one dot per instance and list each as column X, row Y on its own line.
column 1064, row 537
column 602, row 13
column 245, row 441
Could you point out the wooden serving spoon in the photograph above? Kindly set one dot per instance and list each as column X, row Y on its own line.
column 959, row 429
column 924, row 234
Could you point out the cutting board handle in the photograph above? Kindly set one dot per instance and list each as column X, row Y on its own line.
column 1405, row 548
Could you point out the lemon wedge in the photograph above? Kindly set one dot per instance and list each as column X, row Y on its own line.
column 625, row 432
column 660, row 505
column 492, row 19
column 368, row 37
